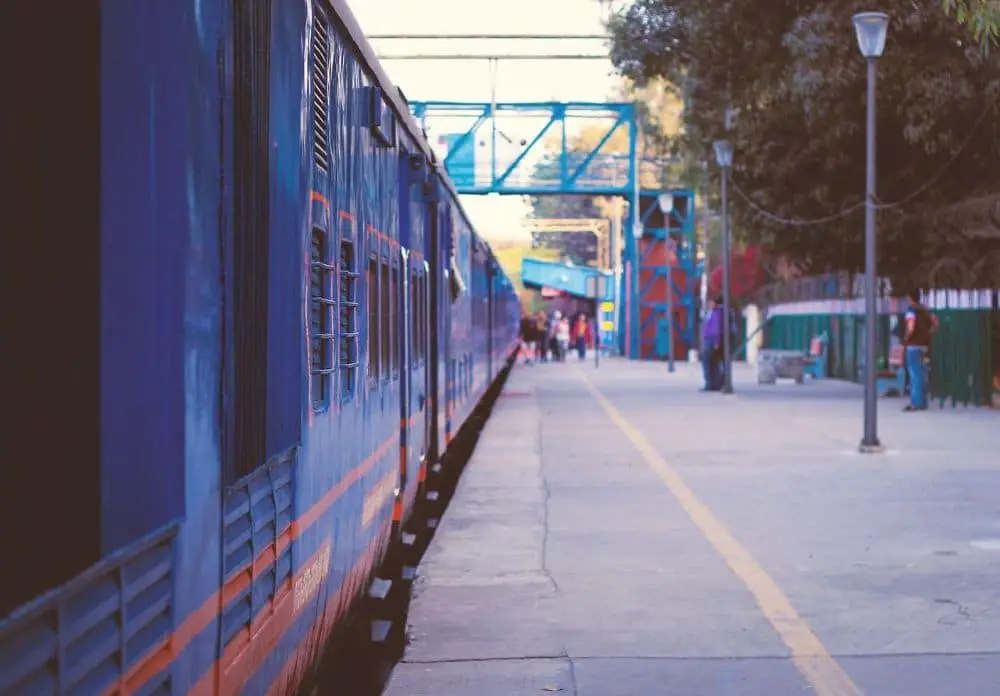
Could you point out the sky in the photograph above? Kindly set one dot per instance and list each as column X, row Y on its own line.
column 496, row 217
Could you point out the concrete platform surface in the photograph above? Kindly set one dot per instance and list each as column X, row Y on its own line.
column 618, row 533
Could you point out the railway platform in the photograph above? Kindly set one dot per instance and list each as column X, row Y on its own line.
column 619, row 533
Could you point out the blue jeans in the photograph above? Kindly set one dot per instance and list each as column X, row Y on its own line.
column 918, row 375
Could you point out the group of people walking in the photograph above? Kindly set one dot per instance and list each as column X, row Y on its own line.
column 543, row 335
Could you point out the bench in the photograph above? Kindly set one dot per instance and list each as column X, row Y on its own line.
column 891, row 381
column 816, row 358
column 780, row 364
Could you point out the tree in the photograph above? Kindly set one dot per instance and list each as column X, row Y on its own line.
column 791, row 73
column 981, row 16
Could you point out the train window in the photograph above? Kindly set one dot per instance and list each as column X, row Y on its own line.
column 385, row 317
column 397, row 325
column 373, row 344
column 263, row 413
column 348, row 320
column 321, row 336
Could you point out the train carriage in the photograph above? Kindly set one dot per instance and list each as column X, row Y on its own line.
column 288, row 318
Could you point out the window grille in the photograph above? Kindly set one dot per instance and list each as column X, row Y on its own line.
column 385, row 317
column 373, row 319
column 321, row 334
column 349, row 334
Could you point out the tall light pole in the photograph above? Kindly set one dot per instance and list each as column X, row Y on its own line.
column 632, row 299
column 634, row 279
column 666, row 203
column 870, row 29
column 724, row 156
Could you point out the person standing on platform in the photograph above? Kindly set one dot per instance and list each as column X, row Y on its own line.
column 562, row 337
column 582, row 335
column 711, row 347
column 542, row 336
column 552, row 338
column 920, row 328
column 528, row 338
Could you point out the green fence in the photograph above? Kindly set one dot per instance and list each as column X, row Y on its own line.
column 965, row 355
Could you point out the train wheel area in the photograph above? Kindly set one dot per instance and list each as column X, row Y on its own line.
column 617, row 532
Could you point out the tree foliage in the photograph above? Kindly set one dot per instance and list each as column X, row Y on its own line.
column 790, row 72
column 981, row 16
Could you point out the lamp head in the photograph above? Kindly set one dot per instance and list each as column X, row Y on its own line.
column 870, row 28
column 666, row 202
column 723, row 153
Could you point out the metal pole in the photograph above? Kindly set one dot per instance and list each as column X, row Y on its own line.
column 635, row 349
column 670, row 295
column 727, row 385
column 870, row 442
column 616, row 229
column 636, row 283
column 493, row 124
column 597, row 331
column 702, row 242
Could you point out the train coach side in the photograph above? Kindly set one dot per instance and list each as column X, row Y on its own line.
column 268, row 399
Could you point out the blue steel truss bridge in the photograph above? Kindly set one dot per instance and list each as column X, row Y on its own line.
column 533, row 148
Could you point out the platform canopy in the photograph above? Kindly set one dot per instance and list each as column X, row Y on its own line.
column 578, row 281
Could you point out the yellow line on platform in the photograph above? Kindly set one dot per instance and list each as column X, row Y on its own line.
column 812, row 659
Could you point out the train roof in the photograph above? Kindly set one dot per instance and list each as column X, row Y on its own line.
column 399, row 104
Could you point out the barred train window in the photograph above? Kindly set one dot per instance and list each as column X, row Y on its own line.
column 386, row 320
column 320, row 321
column 348, row 320
column 373, row 344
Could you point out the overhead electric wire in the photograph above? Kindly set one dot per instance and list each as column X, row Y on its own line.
column 487, row 56
column 794, row 221
column 492, row 37
column 859, row 206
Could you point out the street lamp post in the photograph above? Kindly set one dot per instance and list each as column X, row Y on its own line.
column 870, row 29
column 666, row 202
column 724, row 156
column 634, row 278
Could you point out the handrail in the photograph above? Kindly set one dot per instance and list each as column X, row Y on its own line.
column 743, row 346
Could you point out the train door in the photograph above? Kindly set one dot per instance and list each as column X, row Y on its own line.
column 423, row 334
column 432, row 322
column 490, row 323
column 406, row 367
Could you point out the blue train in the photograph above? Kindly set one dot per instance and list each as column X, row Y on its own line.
column 249, row 314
